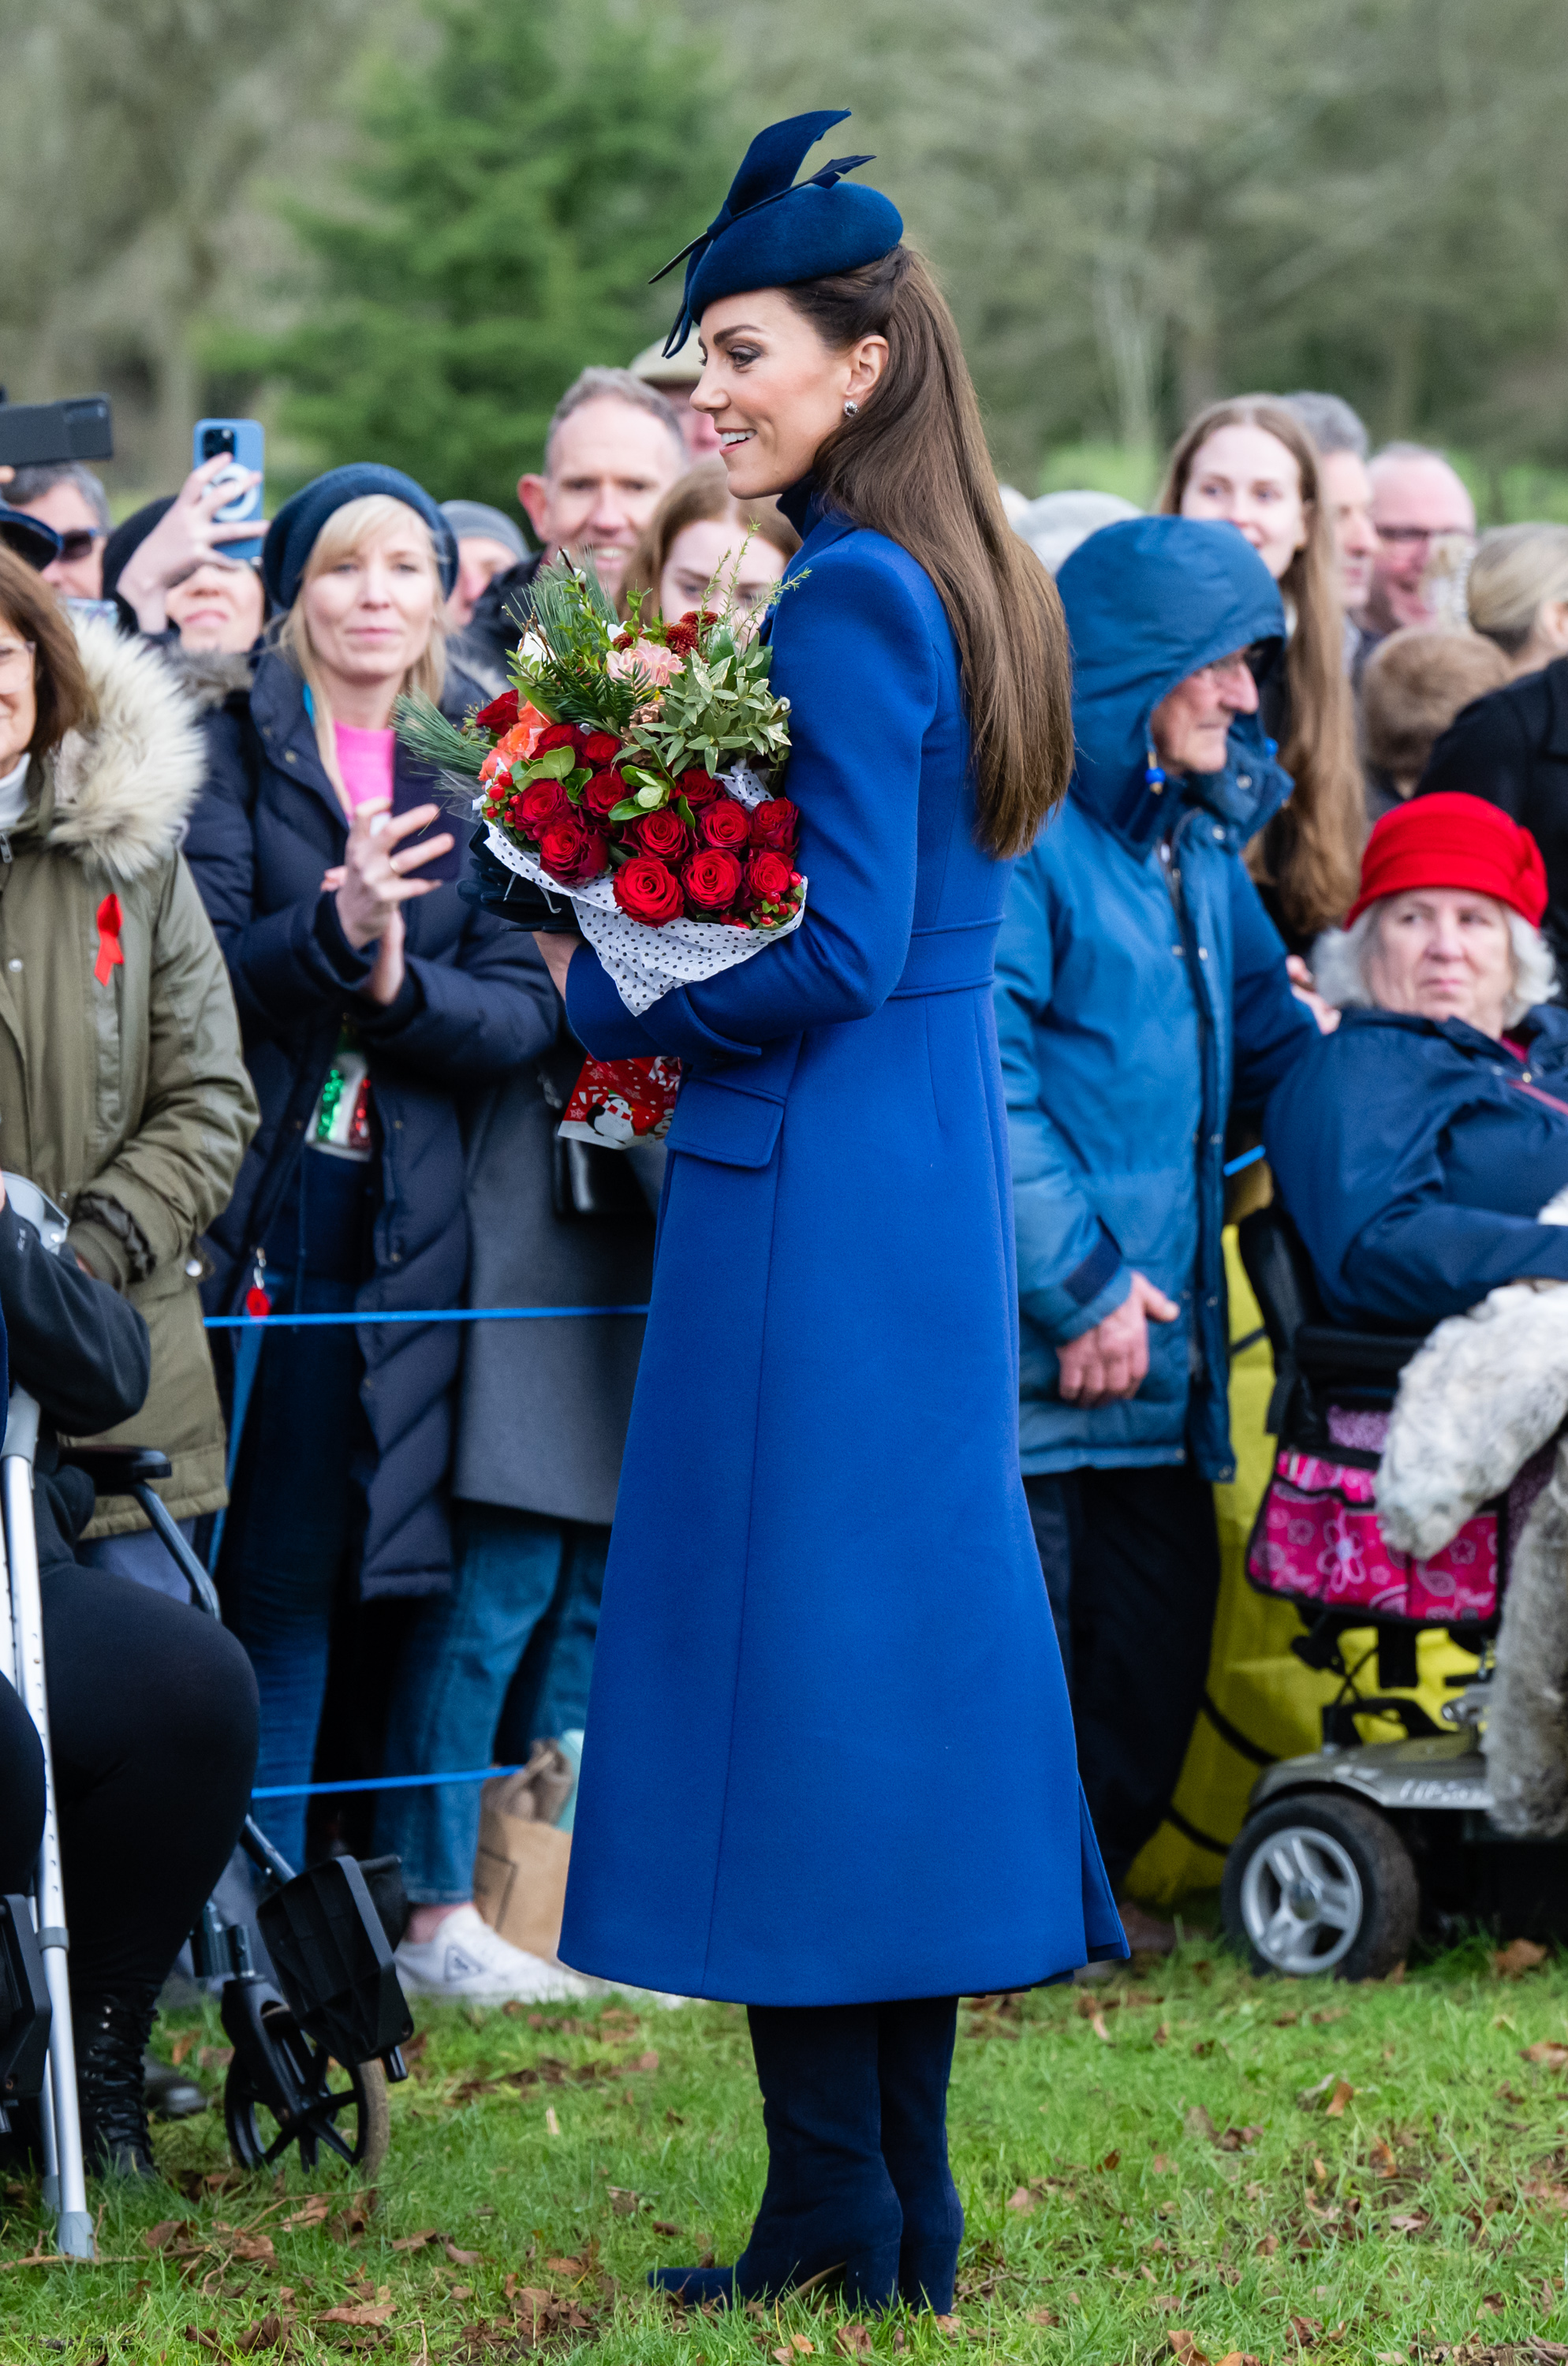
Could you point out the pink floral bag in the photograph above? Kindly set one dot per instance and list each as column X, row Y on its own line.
column 1317, row 1538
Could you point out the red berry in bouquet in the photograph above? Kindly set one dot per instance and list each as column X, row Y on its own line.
column 712, row 880
column 500, row 715
column 773, row 825
column 663, row 834
column 700, row 788
column 648, row 891
column 726, row 825
column 536, row 808
column 603, row 792
column 572, row 855
column 769, row 878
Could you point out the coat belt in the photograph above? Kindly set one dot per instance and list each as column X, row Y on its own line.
column 947, row 961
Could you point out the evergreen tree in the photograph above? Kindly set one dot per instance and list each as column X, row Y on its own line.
column 515, row 194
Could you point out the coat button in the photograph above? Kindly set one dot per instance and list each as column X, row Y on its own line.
column 1218, row 831
column 13, row 962
column 1243, row 781
column 1203, row 953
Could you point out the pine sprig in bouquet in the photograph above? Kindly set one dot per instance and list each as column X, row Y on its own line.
column 632, row 769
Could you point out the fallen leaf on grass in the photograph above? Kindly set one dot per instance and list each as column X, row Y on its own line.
column 1381, row 2157
column 408, row 2242
column 1519, row 1956
column 1238, row 2139
column 363, row 2313
column 1547, row 2050
column 1021, row 2199
column 1410, row 2222
column 623, row 2202
column 1184, row 2346
column 1199, row 2123
column 1097, row 2022
column 267, row 2334
column 1268, row 2247
column 1161, row 2166
column 1112, row 2160
column 665, row 2227
column 1540, row 2189
column 311, row 2211
column 1043, row 2317
column 1304, row 2330
column 947, row 2324
column 852, row 2340
column 182, row 2045
column 1165, row 2301
column 1237, row 2358
column 1335, row 2107
column 552, row 2125
column 464, row 2259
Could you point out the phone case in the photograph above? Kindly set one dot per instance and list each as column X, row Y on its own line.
column 250, row 452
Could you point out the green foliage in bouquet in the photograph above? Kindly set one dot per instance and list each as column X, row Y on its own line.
column 428, row 735
column 717, row 708
column 561, row 666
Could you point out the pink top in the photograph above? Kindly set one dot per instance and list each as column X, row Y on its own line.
column 365, row 759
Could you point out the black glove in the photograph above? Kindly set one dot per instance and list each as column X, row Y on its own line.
column 510, row 896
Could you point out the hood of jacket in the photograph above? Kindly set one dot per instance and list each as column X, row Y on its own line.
column 1148, row 603
column 118, row 793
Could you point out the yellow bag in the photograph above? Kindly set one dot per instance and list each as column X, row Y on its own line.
column 1262, row 1704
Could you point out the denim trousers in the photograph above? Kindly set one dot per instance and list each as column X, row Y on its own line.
column 500, row 1663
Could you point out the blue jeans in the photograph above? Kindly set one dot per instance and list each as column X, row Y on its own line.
column 501, row 1661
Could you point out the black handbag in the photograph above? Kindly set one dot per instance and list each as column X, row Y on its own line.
column 586, row 1178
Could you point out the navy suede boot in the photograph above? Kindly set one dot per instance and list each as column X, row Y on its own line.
column 914, row 2060
column 829, row 2211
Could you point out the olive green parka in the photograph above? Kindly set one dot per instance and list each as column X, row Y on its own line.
column 123, row 1094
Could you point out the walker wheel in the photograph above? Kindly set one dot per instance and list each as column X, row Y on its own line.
column 345, row 2116
column 1316, row 1883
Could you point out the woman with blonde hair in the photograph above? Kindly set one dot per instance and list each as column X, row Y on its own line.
column 700, row 535
column 370, row 997
column 1250, row 461
column 1511, row 746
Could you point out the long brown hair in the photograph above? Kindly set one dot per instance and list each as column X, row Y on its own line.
column 1311, row 853
column 914, row 465
column 694, row 500
column 60, row 682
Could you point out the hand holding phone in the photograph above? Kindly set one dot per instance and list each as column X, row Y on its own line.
column 240, row 445
column 194, row 528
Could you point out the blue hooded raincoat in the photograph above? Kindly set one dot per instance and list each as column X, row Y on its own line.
column 829, row 1758
column 1141, row 987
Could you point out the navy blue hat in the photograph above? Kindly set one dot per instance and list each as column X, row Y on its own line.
column 769, row 233
column 27, row 536
column 291, row 536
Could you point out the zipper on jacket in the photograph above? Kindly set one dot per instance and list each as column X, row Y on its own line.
column 4, row 847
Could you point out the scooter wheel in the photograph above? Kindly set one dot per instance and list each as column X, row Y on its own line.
column 1318, row 1883
column 345, row 2117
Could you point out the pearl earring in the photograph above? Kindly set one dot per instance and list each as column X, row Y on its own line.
column 852, row 411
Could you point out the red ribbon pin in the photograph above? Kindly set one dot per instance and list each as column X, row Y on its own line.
column 110, row 925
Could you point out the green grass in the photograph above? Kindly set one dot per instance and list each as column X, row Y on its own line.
column 1136, row 2161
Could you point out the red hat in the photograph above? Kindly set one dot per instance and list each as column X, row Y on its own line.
column 1452, row 840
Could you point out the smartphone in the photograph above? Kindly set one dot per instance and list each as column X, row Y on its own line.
column 244, row 442
column 42, row 435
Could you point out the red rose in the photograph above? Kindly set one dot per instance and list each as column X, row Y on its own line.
column 559, row 735
column 573, row 854
column 768, row 878
column 712, row 880
column 500, row 714
column 773, row 825
column 599, row 748
column 603, row 792
column 700, row 788
column 663, row 834
column 540, row 805
column 725, row 824
column 648, row 891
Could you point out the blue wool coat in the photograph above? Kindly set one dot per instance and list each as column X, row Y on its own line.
column 1415, row 1155
column 477, row 1003
column 829, row 1758
column 1141, row 988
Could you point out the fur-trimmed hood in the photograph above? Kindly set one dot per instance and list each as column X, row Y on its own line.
column 119, row 793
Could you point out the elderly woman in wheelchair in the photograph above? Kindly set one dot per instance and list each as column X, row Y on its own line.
column 1407, row 1272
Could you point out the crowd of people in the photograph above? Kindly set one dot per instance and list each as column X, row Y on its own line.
column 298, row 1063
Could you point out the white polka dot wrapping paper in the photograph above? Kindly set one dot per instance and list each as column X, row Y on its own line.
column 644, row 962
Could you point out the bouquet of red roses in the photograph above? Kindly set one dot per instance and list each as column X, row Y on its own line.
column 629, row 768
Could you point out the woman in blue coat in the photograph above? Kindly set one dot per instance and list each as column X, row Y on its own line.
column 823, row 1605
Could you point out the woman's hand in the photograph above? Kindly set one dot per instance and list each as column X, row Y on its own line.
column 385, row 981
column 556, row 949
column 375, row 878
column 1301, row 987
column 184, row 538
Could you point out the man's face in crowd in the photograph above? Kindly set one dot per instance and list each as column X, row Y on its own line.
column 78, row 572
column 1191, row 727
column 1347, row 491
column 609, row 463
column 1415, row 502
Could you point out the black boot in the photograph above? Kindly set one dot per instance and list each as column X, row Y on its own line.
column 111, row 2031
column 914, row 2061
column 169, row 2094
column 829, row 2211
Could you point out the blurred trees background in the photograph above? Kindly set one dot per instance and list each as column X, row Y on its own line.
column 399, row 230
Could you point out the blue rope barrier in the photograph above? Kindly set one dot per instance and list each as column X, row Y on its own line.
column 380, row 1783
column 1248, row 1158
column 416, row 1314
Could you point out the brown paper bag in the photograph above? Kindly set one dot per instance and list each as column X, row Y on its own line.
column 521, row 1864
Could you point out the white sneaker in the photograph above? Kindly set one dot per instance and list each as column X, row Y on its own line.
column 466, row 1958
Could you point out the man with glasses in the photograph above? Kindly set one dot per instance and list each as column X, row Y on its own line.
column 1419, row 504
column 73, row 501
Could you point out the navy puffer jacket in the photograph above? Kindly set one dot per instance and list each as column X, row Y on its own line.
column 477, row 1003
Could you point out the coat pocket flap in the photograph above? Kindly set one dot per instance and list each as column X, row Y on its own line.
column 736, row 1123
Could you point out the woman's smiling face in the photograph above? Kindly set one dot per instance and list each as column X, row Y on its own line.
column 773, row 391
column 1246, row 475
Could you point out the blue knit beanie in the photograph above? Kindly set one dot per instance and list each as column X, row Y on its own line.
column 291, row 536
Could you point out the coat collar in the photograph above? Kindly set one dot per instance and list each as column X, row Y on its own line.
column 287, row 734
column 1546, row 1024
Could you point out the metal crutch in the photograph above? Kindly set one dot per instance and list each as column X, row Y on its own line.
column 65, row 2182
